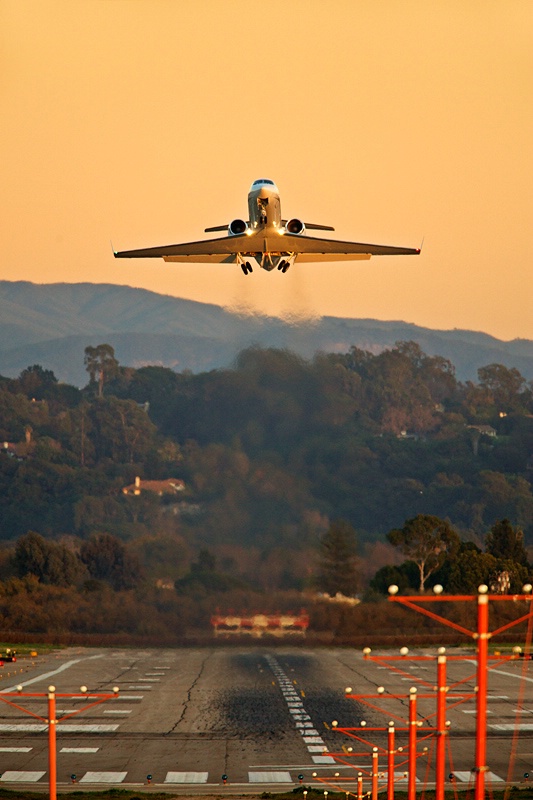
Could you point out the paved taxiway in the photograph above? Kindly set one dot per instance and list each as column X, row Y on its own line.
column 259, row 715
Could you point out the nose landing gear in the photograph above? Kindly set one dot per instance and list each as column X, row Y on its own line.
column 246, row 267
column 284, row 265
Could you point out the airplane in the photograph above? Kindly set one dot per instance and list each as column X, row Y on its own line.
column 267, row 239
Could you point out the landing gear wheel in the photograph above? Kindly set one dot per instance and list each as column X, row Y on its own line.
column 286, row 267
column 246, row 267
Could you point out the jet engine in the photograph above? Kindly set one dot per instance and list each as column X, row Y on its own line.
column 295, row 226
column 237, row 226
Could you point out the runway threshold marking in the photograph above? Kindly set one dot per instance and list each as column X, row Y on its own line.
column 21, row 776
column 103, row 777
column 186, row 777
column 16, row 749
column 79, row 749
column 465, row 777
column 270, row 777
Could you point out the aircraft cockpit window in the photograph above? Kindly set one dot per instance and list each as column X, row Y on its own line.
column 263, row 180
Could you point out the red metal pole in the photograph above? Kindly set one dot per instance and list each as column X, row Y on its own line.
column 411, row 781
column 482, row 682
column 375, row 767
column 390, row 762
column 52, row 757
column 359, row 786
column 440, row 766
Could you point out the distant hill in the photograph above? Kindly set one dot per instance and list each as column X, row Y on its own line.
column 51, row 324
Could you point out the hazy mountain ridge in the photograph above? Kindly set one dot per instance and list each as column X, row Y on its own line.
column 51, row 324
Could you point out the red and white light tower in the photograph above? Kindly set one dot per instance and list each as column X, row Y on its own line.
column 481, row 636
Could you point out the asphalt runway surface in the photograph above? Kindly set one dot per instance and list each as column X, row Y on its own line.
column 261, row 716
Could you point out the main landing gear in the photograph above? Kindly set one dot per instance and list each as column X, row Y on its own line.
column 284, row 265
column 246, row 267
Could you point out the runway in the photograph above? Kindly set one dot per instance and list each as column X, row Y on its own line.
column 260, row 716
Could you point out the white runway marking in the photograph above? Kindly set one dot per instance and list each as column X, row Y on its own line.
column 47, row 675
column 473, row 711
column 524, row 726
column 117, row 711
column 313, row 740
column 15, row 749
column 16, row 776
column 186, row 777
column 103, row 777
column 269, row 777
column 148, row 680
column 130, row 696
column 79, row 749
column 323, row 760
column 401, row 777
column 144, row 688
column 316, row 748
column 469, row 776
column 512, row 675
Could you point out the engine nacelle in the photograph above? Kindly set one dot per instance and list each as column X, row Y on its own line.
column 295, row 226
column 237, row 226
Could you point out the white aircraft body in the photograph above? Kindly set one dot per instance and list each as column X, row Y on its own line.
column 267, row 239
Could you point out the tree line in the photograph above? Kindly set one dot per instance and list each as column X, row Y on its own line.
column 274, row 452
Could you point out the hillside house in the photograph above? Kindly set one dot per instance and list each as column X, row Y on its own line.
column 169, row 486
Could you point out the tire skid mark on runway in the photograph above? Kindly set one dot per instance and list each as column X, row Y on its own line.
column 303, row 722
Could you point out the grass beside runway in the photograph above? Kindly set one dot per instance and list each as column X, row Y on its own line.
column 514, row 793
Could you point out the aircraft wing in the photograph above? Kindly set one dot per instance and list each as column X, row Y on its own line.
column 302, row 245
column 225, row 246
column 307, row 248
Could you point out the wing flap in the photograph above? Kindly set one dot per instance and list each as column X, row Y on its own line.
column 227, row 245
column 310, row 244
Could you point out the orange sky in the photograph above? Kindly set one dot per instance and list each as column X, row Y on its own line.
column 144, row 121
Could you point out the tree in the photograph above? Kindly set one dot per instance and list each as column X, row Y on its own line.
column 50, row 562
column 403, row 576
column 426, row 540
column 107, row 559
column 505, row 385
column 101, row 364
column 338, row 568
column 505, row 542
column 203, row 578
column 34, row 381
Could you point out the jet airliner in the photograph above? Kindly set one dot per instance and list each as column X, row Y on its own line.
column 267, row 239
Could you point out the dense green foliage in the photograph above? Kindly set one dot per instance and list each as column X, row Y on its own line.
column 273, row 453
